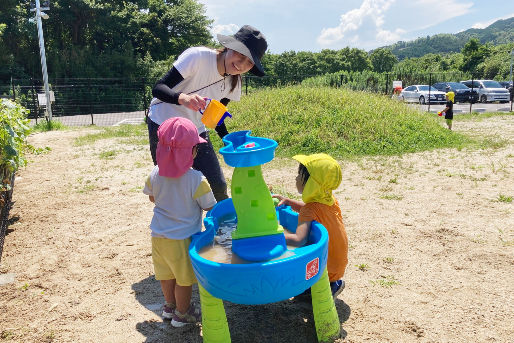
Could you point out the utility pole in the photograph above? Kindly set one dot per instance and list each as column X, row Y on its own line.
column 40, row 14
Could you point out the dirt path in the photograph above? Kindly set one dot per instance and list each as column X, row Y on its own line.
column 431, row 248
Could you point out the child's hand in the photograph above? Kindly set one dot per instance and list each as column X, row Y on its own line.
column 281, row 199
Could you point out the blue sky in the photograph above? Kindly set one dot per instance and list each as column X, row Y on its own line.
column 302, row 25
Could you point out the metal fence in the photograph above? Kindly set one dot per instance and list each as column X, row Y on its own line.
column 82, row 101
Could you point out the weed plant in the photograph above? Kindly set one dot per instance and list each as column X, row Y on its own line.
column 49, row 125
column 128, row 134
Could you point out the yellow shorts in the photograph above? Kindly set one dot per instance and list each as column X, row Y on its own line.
column 171, row 260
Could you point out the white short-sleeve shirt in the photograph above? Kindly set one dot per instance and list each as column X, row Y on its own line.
column 199, row 68
column 179, row 203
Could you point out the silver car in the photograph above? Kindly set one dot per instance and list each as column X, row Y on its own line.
column 489, row 90
column 422, row 94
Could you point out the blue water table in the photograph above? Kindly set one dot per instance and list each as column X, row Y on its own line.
column 272, row 272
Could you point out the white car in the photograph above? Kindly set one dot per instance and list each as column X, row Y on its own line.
column 489, row 90
column 422, row 94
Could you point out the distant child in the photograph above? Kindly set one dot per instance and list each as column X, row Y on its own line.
column 448, row 111
column 318, row 176
column 396, row 93
column 180, row 193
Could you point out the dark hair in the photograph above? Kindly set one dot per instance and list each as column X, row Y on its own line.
column 304, row 173
column 233, row 78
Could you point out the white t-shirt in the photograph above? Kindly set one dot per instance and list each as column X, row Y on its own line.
column 199, row 68
column 179, row 203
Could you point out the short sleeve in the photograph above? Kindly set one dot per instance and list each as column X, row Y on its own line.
column 148, row 186
column 306, row 214
column 187, row 62
column 203, row 194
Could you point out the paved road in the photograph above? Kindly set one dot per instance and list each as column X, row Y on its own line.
column 102, row 119
column 464, row 107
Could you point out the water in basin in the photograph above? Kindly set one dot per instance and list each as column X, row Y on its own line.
column 221, row 249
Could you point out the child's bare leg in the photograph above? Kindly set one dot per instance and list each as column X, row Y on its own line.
column 183, row 297
column 168, row 290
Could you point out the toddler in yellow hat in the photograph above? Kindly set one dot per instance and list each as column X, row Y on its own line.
column 318, row 175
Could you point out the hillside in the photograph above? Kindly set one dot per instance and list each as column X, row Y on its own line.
column 500, row 32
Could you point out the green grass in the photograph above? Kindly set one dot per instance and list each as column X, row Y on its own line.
column 51, row 125
column 504, row 198
column 108, row 155
column 391, row 197
column 386, row 281
column 476, row 116
column 127, row 134
column 339, row 122
column 362, row 267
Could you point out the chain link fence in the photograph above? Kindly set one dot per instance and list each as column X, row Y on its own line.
column 83, row 101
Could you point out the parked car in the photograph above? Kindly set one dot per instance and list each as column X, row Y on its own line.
column 420, row 94
column 489, row 90
column 506, row 84
column 462, row 92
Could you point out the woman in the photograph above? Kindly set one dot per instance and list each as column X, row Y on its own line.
column 200, row 73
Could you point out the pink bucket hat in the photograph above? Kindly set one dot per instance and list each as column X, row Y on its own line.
column 177, row 137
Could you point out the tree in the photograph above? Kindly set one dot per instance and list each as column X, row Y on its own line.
column 383, row 60
column 473, row 53
column 85, row 38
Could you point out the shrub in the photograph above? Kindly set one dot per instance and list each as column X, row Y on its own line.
column 13, row 133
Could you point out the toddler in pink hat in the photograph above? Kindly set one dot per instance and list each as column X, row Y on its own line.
column 180, row 194
column 177, row 138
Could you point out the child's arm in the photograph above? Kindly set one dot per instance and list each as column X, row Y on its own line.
column 298, row 238
column 296, row 205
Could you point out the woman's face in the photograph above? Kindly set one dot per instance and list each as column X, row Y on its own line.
column 236, row 63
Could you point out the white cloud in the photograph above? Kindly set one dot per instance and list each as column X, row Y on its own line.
column 227, row 29
column 366, row 22
column 377, row 22
column 484, row 24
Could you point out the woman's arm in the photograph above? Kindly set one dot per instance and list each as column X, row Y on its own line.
column 162, row 89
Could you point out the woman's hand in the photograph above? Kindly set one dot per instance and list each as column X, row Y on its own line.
column 194, row 102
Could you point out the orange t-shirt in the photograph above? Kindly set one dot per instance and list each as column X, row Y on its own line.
column 330, row 217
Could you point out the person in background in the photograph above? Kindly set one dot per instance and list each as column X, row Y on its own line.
column 448, row 111
column 318, row 175
column 200, row 73
column 396, row 93
column 180, row 194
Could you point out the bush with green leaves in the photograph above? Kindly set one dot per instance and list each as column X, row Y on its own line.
column 14, row 130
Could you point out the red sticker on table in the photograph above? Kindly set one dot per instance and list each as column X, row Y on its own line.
column 312, row 269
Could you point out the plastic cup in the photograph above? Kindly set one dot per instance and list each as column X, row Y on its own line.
column 213, row 113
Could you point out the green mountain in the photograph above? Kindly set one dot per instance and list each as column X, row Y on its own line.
column 500, row 32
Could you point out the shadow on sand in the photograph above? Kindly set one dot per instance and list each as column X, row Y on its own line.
column 280, row 322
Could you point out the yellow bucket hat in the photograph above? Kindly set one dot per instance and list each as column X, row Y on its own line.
column 325, row 176
column 451, row 96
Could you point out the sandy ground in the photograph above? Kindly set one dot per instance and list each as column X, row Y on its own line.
column 431, row 248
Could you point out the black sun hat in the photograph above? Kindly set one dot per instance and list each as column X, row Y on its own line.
column 250, row 42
